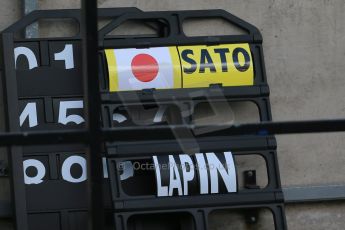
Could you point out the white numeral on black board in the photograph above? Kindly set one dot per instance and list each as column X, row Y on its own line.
column 66, row 116
column 28, row 53
column 29, row 112
column 41, row 171
column 65, row 55
column 159, row 115
column 63, row 111
column 119, row 118
column 65, row 170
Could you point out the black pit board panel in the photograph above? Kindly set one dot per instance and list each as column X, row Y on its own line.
column 44, row 91
column 185, row 100
column 142, row 209
column 49, row 105
column 137, row 208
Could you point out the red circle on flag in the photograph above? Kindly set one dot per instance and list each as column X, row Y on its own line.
column 145, row 67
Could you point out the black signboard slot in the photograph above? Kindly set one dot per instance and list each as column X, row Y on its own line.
column 44, row 90
column 164, row 221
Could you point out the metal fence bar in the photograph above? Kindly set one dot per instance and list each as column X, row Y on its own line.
column 310, row 194
column 93, row 113
column 126, row 133
column 29, row 6
column 262, row 129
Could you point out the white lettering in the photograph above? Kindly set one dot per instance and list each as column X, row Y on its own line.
column 227, row 172
column 161, row 190
column 175, row 179
column 187, row 171
column 203, row 174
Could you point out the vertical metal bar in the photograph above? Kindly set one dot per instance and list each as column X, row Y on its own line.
column 15, row 156
column 92, row 113
column 28, row 6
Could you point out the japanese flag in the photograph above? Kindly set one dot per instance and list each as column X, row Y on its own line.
column 136, row 69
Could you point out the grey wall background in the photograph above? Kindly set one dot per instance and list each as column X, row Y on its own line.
column 304, row 45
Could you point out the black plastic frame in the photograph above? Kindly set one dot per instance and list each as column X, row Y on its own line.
column 15, row 137
column 258, row 93
column 270, row 197
column 186, row 98
column 126, row 206
column 12, row 96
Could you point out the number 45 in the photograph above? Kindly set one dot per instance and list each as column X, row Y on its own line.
column 30, row 113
